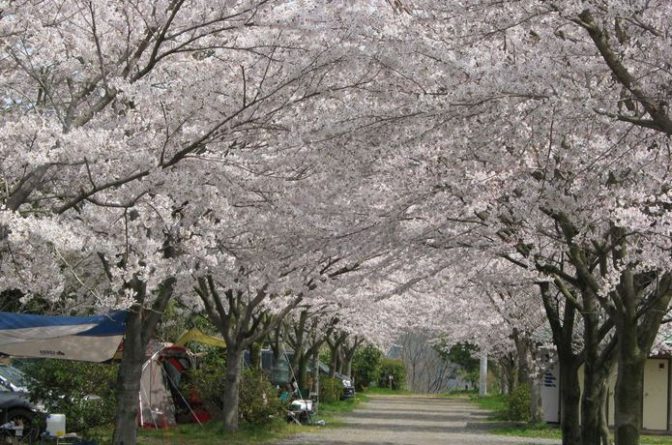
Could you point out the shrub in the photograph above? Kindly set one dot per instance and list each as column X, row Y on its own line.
column 259, row 401
column 84, row 392
column 518, row 404
column 209, row 380
column 366, row 366
column 396, row 369
column 331, row 389
column 258, row 398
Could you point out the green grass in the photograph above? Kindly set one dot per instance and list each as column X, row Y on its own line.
column 213, row 432
column 330, row 412
column 387, row 391
column 533, row 430
column 458, row 394
column 492, row 402
column 655, row 440
column 546, row 431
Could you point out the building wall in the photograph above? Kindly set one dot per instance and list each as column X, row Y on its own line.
column 550, row 394
column 657, row 394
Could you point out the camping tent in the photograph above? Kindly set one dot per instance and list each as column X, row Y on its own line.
column 162, row 403
column 91, row 339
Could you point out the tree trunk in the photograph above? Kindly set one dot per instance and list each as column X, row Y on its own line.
column 628, row 401
column 255, row 355
column 536, row 411
column 636, row 333
column 347, row 366
column 302, row 374
column 230, row 398
column 629, row 382
column 522, row 344
column 604, row 422
column 594, row 373
column 562, row 326
column 509, row 374
column 140, row 326
column 128, row 381
column 570, row 394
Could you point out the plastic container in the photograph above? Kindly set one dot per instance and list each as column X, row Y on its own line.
column 56, row 425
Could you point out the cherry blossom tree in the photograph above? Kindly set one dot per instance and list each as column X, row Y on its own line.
column 552, row 132
column 120, row 121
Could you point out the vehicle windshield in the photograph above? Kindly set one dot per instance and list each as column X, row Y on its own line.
column 13, row 376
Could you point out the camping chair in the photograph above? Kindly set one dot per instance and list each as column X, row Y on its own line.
column 300, row 412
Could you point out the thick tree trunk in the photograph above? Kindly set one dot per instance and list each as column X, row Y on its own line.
column 570, row 394
column 636, row 333
column 562, row 326
column 140, row 326
column 591, row 402
column 590, row 409
column 128, row 381
column 629, row 382
column 628, row 401
column 231, row 396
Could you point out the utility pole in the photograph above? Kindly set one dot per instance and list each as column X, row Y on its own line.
column 483, row 386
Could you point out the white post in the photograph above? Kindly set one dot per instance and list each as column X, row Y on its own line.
column 483, row 387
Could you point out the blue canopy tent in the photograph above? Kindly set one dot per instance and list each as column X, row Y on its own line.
column 89, row 339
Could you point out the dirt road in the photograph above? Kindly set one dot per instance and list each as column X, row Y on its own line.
column 413, row 420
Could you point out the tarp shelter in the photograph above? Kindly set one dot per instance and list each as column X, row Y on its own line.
column 90, row 339
column 195, row 335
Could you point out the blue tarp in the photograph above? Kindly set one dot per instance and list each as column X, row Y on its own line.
column 95, row 338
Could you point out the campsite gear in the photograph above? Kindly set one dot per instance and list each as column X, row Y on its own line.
column 162, row 404
column 89, row 339
column 195, row 335
column 56, row 425
column 300, row 411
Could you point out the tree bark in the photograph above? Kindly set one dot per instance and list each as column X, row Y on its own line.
column 231, row 396
column 522, row 343
column 628, row 401
column 591, row 401
column 562, row 327
column 604, row 422
column 536, row 412
column 570, row 396
column 255, row 355
column 128, row 382
column 140, row 326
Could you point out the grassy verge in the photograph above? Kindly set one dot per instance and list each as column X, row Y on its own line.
column 458, row 394
column 533, row 430
column 492, row 402
column 553, row 432
column 387, row 391
column 213, row 432
column 330, row 412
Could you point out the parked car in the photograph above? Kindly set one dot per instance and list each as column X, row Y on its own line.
column 19, row 418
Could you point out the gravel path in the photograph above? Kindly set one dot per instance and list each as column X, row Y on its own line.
column 413, row 420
